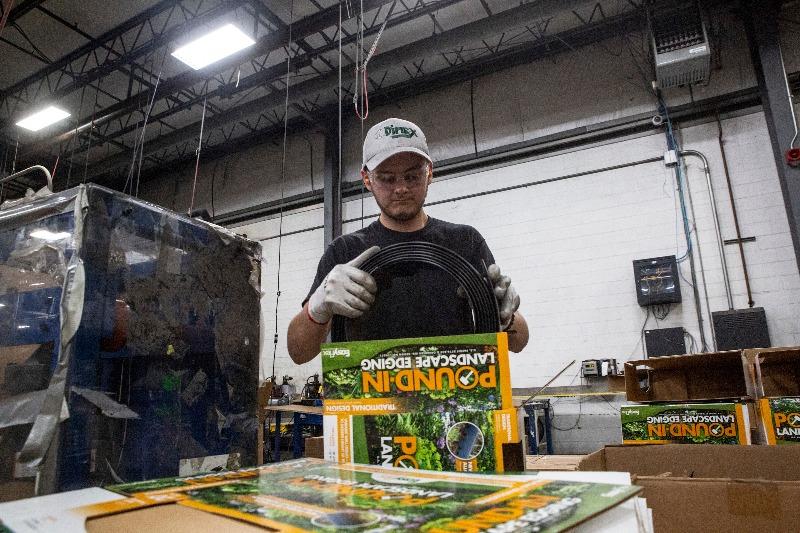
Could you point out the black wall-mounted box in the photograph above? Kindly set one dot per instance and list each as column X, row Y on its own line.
column 665, row 341
column 741, row 328
column 657, row 280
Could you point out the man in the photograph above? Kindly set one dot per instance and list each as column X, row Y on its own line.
column 415, row 300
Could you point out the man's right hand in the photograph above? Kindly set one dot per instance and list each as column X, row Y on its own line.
column 346, row 290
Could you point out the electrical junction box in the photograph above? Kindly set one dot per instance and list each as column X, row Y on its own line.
column 657, row 280
column 741, row 328
column 590, row 368
column 665, row 341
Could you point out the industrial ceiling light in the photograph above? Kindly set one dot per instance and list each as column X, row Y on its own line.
column 43, row 118
column 213, row 46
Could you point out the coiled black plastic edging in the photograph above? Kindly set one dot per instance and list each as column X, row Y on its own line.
column 478, row 288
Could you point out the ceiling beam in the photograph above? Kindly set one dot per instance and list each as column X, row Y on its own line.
column 22, row 9
column 115, row 60
column 555, row 44
column 274, row 41
column 512, row 18
column 262, row 77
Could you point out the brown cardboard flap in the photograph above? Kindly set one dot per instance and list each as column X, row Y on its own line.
column 707, row 376
column 173, row 518
column 314, row 447
column 594, row 462
column 727, row 505
column 777, row 371
column 776, row 463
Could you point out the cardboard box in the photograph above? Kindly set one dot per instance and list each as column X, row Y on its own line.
column 776, row 371
column 436, row 403
column 315, row 447
column 776, row 375
column 686, row 423
column 711, row 487
column 682, row 378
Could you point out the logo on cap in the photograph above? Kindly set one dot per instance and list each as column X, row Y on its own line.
column 395, row 132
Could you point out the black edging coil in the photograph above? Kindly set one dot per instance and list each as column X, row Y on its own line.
column 479, row 290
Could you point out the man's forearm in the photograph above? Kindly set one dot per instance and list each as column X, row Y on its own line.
column 518, row 334
column 304, row 337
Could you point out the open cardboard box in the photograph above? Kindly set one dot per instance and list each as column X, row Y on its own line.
column 776, row 371
column 711, row 487
column 776, row 377
column 683, row 378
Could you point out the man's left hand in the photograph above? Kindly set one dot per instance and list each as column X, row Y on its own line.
column 506, row 294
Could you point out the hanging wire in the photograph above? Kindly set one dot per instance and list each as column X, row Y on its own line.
column 13, row 166
column 147, row 117
column 197, row 159
column 280, row 215
column 138, row 145
column 361, row 89
column 356, row 89
column 74, row 139
column 91, row 129
column 340, row 112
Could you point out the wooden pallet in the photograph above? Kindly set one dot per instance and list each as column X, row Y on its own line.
column 552, row 462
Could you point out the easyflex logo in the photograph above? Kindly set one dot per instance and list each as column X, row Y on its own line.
column 336, row 352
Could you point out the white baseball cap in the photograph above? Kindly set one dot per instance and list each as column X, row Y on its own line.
column 393, row 136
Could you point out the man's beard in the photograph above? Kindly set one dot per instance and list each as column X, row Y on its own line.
column 399, row 216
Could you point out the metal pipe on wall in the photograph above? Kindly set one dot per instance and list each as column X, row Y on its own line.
column 720, row 242
column 750, row 301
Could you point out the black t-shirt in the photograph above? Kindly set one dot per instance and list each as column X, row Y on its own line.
column 412, row 300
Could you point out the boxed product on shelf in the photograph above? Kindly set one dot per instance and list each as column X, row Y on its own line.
column 686, row 423
column 435, row 403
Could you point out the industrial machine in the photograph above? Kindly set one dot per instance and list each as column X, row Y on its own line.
column 129, row 340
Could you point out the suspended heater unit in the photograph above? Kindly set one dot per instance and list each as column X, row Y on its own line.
column 680, row 43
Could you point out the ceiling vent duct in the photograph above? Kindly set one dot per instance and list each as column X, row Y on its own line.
column 679, row 41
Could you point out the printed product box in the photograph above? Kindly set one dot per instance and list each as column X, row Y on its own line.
column 312, row 495
column 780, row 419
column 436, row 403
column 686, row 423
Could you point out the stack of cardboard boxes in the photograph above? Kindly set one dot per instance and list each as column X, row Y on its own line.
column 732, row 397
column 694, row 399
column 735, row 397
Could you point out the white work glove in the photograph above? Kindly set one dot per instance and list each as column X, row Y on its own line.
column 346, row 290
column 506, row 294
